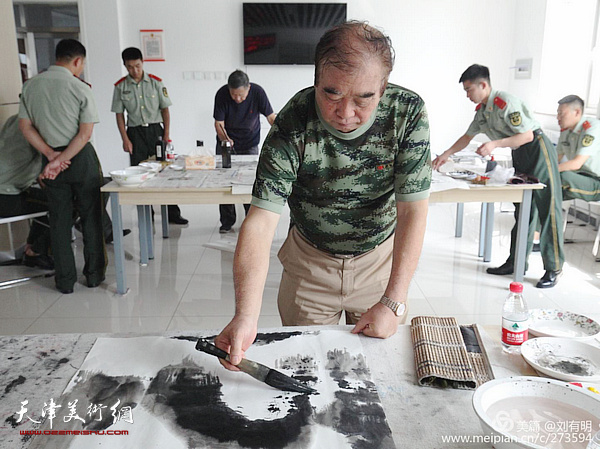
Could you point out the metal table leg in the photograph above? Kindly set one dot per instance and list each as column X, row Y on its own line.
column 143, row 228
column 164, row 212
column 489, row 230
column 149, row 234
column 117, row 223
column 482, row 228
column 460, row 211
column 522, row 229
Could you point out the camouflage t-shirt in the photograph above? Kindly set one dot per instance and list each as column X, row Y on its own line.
column 342, row 188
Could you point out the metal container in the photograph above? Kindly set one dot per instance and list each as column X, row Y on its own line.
column 226, row 149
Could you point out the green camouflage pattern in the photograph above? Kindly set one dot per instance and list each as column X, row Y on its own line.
column 342, row 193
column 503, row 116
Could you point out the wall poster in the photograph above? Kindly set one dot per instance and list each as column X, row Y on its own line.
column 153, row 47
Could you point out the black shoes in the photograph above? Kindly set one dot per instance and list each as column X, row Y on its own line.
column 95, row 284
column 40, row 261
column 109, row 238
column 178, row 220
column 549, row 279
column 65, row 291
column 505, row 268
column 225, row 230
column 535, row 248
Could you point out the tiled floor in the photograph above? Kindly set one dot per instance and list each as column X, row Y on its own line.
column 189, row 286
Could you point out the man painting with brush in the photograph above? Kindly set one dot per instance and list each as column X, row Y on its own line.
column 238, row 106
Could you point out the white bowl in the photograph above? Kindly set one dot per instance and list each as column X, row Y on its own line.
column 529, row 412
column 131, row 176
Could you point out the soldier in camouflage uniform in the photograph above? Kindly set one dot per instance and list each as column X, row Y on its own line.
column 508, row 123
column 351, row 157
column 580, row 142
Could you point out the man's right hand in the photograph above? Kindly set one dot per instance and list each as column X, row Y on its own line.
column 237, row 336
column 440, row 160
column 128, row 146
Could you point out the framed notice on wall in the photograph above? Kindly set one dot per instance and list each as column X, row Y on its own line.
column 153, row 47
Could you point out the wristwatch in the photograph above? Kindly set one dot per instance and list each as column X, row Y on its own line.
column 397, row 307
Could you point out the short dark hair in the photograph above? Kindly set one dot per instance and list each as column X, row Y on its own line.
column 238, row 79
column 345, row 45
column 131, row 54
column 574, row 101
column 474, row 73
column 69, row 49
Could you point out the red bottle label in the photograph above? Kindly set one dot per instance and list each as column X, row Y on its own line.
column 514, row 332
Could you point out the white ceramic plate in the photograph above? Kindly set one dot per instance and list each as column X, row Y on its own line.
column 560, row 323
column 563, row 358
column 154, row 167
column 462, row 175
column 502, row 405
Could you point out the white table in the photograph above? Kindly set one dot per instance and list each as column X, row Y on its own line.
column 488, row 195
column 218, row 187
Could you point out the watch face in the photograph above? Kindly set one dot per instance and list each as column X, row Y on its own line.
column 400, row 309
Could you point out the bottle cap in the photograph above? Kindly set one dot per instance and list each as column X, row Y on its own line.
column 516, row 287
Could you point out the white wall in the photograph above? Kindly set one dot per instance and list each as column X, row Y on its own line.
column 100, row 34
column 435, row 40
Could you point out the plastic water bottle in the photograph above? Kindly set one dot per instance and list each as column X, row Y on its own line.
column 594, row 443
column 515, row 319
column 170, row 151
column 160, row 146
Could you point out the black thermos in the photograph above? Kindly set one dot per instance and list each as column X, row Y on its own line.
column 226, row 153
column 161, row 149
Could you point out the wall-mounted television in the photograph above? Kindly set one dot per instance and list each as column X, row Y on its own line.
column 287, row 33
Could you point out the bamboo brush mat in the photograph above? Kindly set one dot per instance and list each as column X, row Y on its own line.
column 441, row 356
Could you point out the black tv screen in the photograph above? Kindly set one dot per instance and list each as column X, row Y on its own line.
column 287, row 33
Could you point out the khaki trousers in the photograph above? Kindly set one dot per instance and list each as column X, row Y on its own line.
column 316, row 287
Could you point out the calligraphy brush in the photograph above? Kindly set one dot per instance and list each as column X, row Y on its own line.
column 227, row 137
column 260, row 372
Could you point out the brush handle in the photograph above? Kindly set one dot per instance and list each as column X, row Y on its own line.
column 204, row 346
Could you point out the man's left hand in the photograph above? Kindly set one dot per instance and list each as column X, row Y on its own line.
column 379, row 321
column 53, row 169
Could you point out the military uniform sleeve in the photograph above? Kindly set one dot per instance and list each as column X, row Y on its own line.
column 23, row 112
column 277, row 168
column 88, row 113
column 517, row 120
column 474, row 128
column 589, row 145
column 412, row 167
column 163, row 96
column 117, row 103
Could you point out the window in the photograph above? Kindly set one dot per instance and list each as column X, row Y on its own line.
column 570, row 61
column 39, row 28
